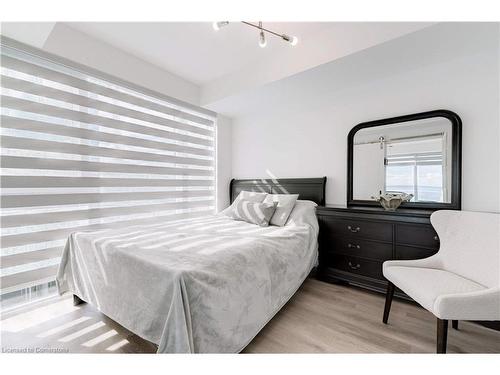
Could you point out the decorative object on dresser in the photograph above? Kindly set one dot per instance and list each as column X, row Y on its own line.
column 391, row 201
column 461, row 281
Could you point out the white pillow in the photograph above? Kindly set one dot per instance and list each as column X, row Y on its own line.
column 251, row 196
column 286, row 202
column 251, row 212
column 304, row 212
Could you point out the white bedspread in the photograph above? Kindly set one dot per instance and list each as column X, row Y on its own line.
column 205, row 285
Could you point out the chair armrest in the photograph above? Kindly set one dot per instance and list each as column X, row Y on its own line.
column 479, row 305
column 433, row 261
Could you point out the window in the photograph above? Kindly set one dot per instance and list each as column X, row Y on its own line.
column 82, row 152
column 418, row 174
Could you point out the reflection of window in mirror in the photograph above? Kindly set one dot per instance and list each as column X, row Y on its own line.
column 416, row 165
column 413, row 157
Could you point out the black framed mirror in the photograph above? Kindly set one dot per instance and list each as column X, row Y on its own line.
column 419, row 154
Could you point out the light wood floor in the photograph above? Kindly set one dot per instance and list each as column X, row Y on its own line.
column 320, row 318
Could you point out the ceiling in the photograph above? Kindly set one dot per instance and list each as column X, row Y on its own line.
column 224, row 63
column 194, row 50
column 330, row 83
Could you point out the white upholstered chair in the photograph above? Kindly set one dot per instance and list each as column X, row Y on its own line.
column 461, row 281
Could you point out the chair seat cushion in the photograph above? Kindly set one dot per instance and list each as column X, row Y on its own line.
column 425, row 285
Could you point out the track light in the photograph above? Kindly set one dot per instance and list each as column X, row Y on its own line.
column 262, row 37
column 219, row 25
column 293, row 40
column 262, row 40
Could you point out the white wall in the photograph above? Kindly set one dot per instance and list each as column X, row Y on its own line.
column 224, row 161
column 298, row 127
column 368, row 170
column 84, row 49
column 34, row 34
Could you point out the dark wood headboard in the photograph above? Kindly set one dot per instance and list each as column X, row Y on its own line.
column 312, row 189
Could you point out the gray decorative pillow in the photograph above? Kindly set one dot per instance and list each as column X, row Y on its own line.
column 251, row 212
column 285, row 202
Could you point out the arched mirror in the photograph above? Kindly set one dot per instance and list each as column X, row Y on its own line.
column 418, row 154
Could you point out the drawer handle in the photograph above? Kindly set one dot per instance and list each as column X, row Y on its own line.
column 436, row 238
column 356, row 267
column 353, row 230
column 352, row 246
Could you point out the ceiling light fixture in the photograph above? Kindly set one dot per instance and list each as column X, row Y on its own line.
column 293, row 40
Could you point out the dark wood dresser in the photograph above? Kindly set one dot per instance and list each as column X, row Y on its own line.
column 355, row 241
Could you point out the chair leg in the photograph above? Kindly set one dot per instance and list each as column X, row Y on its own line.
column 388, row 301
column 77, row 300
column 454, row 324
column 442, row 335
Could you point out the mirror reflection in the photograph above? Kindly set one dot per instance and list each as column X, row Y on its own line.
column 413, row 157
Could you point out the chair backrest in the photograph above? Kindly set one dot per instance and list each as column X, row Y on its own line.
column 470, row 244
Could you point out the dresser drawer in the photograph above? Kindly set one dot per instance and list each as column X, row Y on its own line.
column 417, row 235
column 355, row 265
column 357, row 229
column 409, row 252
column 362, row 248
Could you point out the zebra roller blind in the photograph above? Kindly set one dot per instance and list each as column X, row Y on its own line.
column 79, row 151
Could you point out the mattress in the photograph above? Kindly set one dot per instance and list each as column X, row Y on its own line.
column 204, row 285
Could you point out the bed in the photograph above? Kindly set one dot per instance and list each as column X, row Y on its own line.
column 203, row 285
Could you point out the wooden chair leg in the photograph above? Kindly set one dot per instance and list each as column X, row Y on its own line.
column 388, row 301
column 77, row 300
column 442, row 336
column 454, row 324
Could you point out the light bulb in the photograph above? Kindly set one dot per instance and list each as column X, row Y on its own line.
column 262, row 40
column 293, row 40
column 219, row 25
